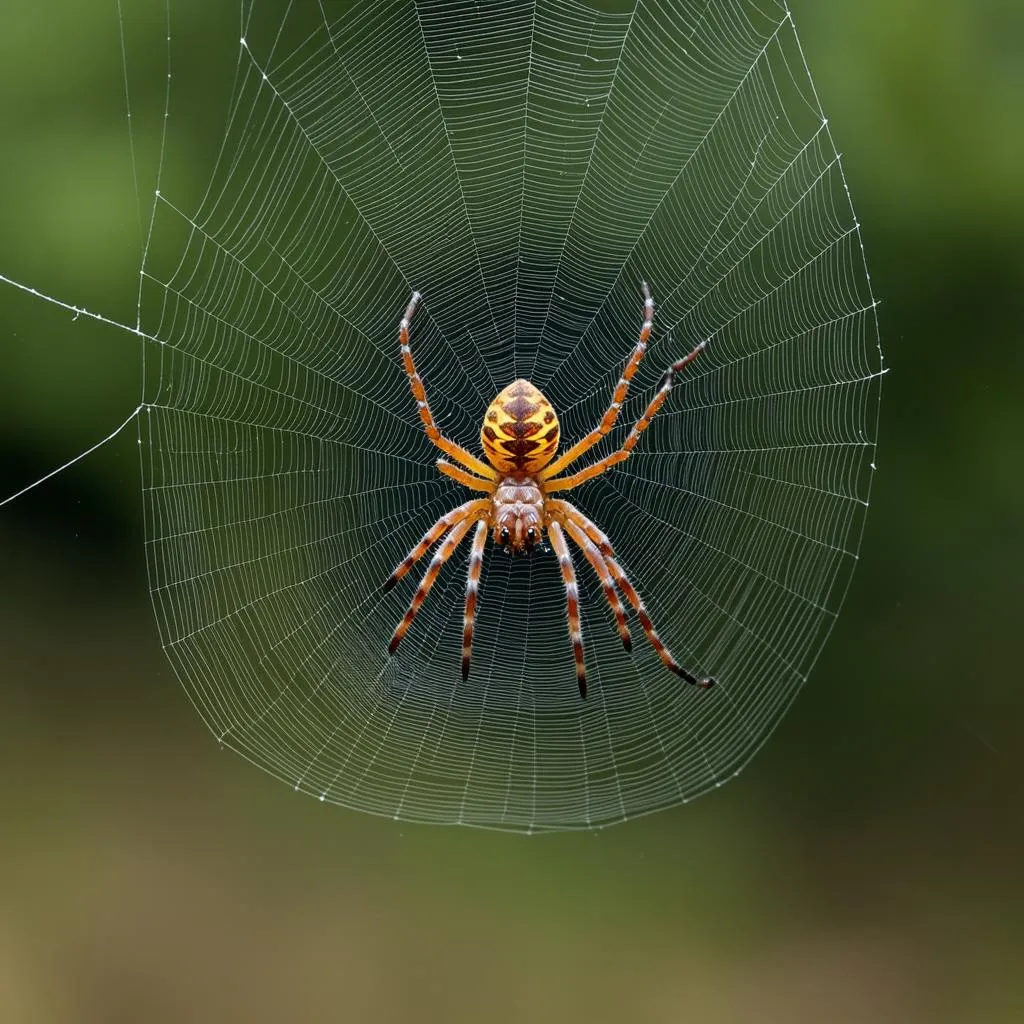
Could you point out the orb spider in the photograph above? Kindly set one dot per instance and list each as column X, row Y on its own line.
column 520, row 435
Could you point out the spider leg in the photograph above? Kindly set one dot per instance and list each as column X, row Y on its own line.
column 566, row 483
column 565, row 509
column 450, row 448
column 572, row 601
column 443, row 553
column 645, row 621
column 476, row 561
column 618, row 396
column 595, row 558
column 464, row 478
column 446, row 522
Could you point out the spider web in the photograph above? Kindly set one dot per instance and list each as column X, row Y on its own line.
column 524, row 166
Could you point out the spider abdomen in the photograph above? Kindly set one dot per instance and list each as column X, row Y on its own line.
column 520, row 430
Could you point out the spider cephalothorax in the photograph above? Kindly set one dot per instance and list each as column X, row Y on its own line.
column 517, row 510
column 520, row 436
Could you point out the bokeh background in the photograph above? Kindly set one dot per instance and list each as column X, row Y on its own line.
column 867, row 866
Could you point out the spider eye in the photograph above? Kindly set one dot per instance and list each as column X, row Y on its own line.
column 504, row 535
column 531, row 534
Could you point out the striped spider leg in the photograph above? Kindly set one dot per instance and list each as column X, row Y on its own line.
column 567, row 483
column 597, row 548
column 450, row 448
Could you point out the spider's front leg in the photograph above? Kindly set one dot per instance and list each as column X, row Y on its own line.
column 584, row 530
column 476, row 561
column 648, row 627
column 444, row 552
column 593, row 555
column 476, row 507
column 572, row 601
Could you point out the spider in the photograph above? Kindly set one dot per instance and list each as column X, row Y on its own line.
column 520, row 435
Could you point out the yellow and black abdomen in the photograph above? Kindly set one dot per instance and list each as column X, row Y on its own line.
column 520, row 431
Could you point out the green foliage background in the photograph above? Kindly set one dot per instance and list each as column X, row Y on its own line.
column 866, row 866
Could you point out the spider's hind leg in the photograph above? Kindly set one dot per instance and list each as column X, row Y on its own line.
column 567, row 483
column 449, row 447
column 618, row 395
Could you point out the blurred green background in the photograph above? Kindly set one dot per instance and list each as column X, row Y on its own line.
column 865, row 867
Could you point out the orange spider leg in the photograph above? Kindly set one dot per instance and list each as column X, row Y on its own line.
column 645, row 620
column 594, row 557
column 572, row 601
column 618, row 397
column 443, row 553
column 476, row 561
column 446, row 522
column 464, row 478
column 450, row 448
column 597, row 468
column 559, row 507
